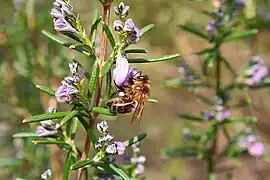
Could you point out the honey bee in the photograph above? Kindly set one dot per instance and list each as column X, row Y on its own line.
column 131, row 95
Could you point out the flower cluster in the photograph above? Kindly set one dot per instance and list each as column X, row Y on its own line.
column 104, row 141
column 64, row 19
column 48, row 127
column 219, row 113
column 129, row 31
column 254, row 148
column 137, row 159
column 256, row 72
column 69, row 91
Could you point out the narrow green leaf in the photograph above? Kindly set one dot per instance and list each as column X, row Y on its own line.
column 90, row 133
column 189, row 27
column 67, row 166
column 94, row 28
column 241, row 35
column 164, row 58
column 135, row 139
column 209, row 134
column 228, row 65
column 69, row 116
column 119, row 171
column 45, row 116
column 106, row 67
column 101, row 110
column 146, row 29
column 205, row 64
column 81, row 164
column 203, row 51
column 26, row 135
column 66, row 44
column 151, row 100
column 191, row 117
column 109, row 35
column 102, row 2
column 93, row 79
column 73, row 128
column 244, row 119
column 177, row 82
column 44, row 141
column 203, row 98
column 178, row 152
column 128, row 51
column 46, row 90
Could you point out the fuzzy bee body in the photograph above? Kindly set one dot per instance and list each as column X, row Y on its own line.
column 131, row 95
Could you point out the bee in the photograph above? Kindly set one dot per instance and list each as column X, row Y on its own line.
column 132, row 95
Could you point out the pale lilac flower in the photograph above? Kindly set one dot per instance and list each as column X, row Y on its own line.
column 246, row 142
column 208, row 115
column 98, row 145
column 42, row 131
column 133, row 36
column 256, row 149
column 56, row 13
column 66, row 93
column 111, row 149
column 139, row 169
column 120, row 147
column 220, row 116
column 46, row 175
column 118, row 26
column 121, row 10
column 129, row 25
column 121, row 70
column 63, row 25
column 102, row 127
column 211, row 29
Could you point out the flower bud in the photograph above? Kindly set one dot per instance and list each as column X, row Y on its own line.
column 121, row 10
column 118, row 26
column 102, row 127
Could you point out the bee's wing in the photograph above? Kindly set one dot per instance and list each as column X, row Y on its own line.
column 138, row 110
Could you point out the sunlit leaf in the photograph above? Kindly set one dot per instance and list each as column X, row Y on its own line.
column 26, row 135
column 192, row 28
column 46, row 90
column 96, row 21
column 109, row 35
column 119, row 171
column 241, row 35
column 89, row 131
column 44, row 141
column 135, row 139
column 244, row 119
column 106, row 67
column 81, row 164
column 177, row 82
column 45, row 116
column 66, row 44
column 146, row 29
column 69, row 116
column 93, row 79
column 150, row 60
column 101, row 110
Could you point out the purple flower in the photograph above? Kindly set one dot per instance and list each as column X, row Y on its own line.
column 56, row 13
column 247, row 141
column 63, row 25
column 66, row 93
column 208, row 115
column 256, row 149
column 118, row 26
column 133, row 36
column 121, row 71
column 211, row 29
column 111, row 149
column 129, row 25
column 121, row 10
column 120, row 147
column 43, row 132
column 220, row 116
column 139, row 169
column 109, row 137
column 102, row 127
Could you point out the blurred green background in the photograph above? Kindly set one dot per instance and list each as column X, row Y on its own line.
column 28, row 58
